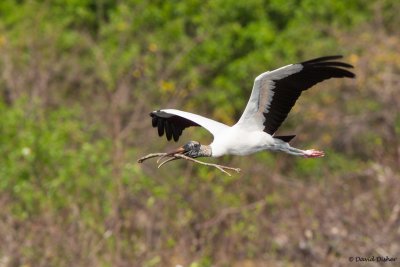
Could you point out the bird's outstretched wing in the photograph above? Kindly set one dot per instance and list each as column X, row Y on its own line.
column 172, row 122
column 275, row 92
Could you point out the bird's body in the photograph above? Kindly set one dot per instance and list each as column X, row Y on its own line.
column 274, row 94
column 246, row 142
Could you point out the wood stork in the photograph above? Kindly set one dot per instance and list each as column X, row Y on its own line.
column 273, row 96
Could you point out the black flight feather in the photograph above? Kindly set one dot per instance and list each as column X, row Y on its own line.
column 287, row 90
column 171, row 124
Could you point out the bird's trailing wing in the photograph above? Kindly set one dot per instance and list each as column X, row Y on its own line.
column 172, row 122
column 275, row 92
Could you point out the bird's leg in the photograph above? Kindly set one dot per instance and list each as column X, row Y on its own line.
column 312, row 153
column 309, row 153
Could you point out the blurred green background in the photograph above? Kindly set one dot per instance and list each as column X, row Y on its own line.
column 79, row 77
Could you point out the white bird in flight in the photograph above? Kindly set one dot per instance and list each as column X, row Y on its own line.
column 273, row 96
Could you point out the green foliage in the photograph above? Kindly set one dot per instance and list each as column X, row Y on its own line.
column 334, row 164
column 51, row 159
column 78, row 78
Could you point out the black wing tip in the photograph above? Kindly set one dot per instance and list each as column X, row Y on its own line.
column 161, row 121
column 327, row 62
column 350, row 75
column 156, row 112
column 321, row 59
column 332, row 64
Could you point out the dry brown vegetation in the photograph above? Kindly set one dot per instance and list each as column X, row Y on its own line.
column 75, row 121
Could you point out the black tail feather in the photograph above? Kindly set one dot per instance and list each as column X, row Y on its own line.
column 285, row 138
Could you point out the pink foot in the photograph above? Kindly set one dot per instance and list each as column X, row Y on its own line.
column 312, row 153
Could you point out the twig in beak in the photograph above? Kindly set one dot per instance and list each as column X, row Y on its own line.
column 181, row 156
column 219, row 167
column 166, row 161
column 179, row 150
column 149, row 156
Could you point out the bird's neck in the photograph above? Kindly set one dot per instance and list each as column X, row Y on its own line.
column 205, row 151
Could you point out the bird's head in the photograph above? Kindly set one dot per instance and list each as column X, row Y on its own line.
column 193, row 149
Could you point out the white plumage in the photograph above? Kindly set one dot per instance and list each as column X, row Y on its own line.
column 274, row 94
